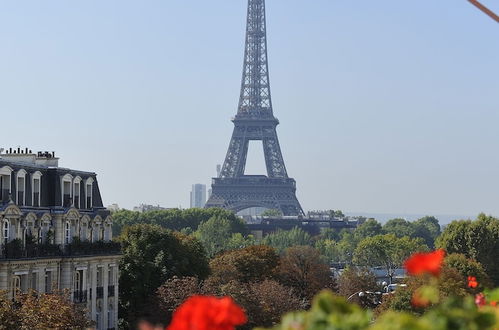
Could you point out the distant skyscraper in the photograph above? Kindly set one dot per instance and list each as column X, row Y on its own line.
column 219, row 169
column 198, row 195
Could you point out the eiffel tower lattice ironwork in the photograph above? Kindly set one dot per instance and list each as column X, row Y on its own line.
column 255, row 121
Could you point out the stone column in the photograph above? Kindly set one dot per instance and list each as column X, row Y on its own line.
column 41, row 279
column 93, row 281
column 116, row 295
column 105, row 284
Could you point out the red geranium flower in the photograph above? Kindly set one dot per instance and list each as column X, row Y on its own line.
column 472, row 282
column 420, row 263
column 208, row 313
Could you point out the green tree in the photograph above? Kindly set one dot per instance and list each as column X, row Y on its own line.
column 478, row 240
column 399, row 227
column 450, row 283
column 283, row 239
column 387, row 250
column 216, row 234
column 346, row 246
column 468, row 267
column 175, row 219
column 330, row 233
column 239, row 241
column 368, row 229
column 427, row 228
column 329, row 250
column 151, row 255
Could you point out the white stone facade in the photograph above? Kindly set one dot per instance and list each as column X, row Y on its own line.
column 87, row 268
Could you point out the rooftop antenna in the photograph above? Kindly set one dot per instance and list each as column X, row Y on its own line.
column 486, row 10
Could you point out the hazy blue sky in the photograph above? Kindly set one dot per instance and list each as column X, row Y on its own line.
column 385, row 106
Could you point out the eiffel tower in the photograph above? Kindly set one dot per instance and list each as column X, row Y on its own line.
column 255, row 121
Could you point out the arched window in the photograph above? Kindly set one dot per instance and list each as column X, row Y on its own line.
column 76, row 192
column 67, row 231
column 107, row 232
column 16, row 285
column 89, row 193
column 84, row 230
column 36, row 188
column 6, row 230
column 77, row 281
column 21, row 187
column 66, row 182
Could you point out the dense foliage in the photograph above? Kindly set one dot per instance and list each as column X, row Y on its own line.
column 152, row 255
column 478, row 240
column 39, row 312
column 283, row 271
column 434, row 299
column 265, row 284
column 174, row 219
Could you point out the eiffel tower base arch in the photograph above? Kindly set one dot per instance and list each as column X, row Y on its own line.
column 237, row 194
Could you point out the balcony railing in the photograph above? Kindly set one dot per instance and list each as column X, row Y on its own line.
column 91, row 248
column 16, row 250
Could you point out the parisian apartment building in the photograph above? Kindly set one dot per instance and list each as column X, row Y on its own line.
column 56, row 234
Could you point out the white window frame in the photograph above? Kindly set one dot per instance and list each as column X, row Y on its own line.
column 89, row 181
column 66, row 178
column 21, row 174
column 6, row 229
column 78, row 282
column 77, row 181
column 36, row 176
column 67, row 232
column 16, row 285
column 7, row 171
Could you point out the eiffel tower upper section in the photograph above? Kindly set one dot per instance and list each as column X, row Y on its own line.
column 255, row 100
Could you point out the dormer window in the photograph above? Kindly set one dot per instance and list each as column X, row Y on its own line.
column 5, row 183
column 89, row 193
column 21, row 187
column 67, row 181
column 36, row 185
column 76, row 192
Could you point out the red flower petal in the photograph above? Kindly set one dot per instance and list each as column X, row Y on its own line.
column 420, row 263
column 207, row 313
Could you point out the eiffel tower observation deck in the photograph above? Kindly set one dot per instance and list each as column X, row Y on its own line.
column 255, row 121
